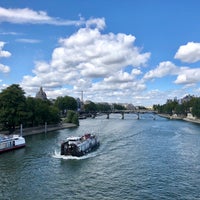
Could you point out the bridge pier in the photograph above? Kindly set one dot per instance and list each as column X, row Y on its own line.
column 122, row 115
column 138, row 116
column 108, row 116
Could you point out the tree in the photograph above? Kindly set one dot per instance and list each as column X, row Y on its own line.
column 40, row 111
column 12, row 106
column 72, row 117
column 196, row 107
column 75, row 119
column 54, row 115
column 31, row 111
column 119, row 107
column 90, row 107
column 103, row 107
column 66, row 103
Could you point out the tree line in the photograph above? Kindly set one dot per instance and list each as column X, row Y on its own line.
column 16, row 109
column 174, row 107
column 102, row 107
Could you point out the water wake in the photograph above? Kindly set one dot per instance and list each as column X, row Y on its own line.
column 90, row 155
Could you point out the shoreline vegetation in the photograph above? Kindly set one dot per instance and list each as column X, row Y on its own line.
column 41, row 129
column 188, row 119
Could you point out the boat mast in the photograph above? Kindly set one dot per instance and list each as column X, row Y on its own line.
column 21, row 129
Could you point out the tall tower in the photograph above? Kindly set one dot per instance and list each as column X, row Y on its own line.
column 82, row 96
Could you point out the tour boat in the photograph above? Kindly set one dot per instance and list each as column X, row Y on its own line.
column 11, row 142
column 79, row 146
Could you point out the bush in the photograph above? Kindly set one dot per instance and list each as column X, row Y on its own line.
column 72, row 117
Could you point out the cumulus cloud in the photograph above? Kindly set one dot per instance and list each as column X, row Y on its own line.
column 188, row 76
column 189, row 53
column 95, row 54
column 184, row 75
column 119, row 77
column 97, row 22
column 2, row 52
column 4, row 68
column 5, row 54
column 89, row 60
column 163, row 69
column 26, row 15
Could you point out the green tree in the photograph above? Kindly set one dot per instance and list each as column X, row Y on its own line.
column 42, row 112
column 66, row 103
column 54, row 115
column 12, row 106
column 72, row 117
column 31, row 111
column 196, row 107
column 119, row 107
column 75, row 119
column 103, row 107
column 90, row 107
column 180, row 109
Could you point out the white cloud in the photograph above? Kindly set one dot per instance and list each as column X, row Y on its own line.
column 25, row 40
column 5, row 54
column 163, row 69
column 189, row 53
column 92, row 61
column 4, row 68
column 97, row 22
column 135, row 72
column 120, row 77
column 185, row 75
column 2, row 52
column 26, row 15
column 10, row 33
column 188, row 76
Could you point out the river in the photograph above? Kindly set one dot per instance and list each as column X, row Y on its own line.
column 137, row 159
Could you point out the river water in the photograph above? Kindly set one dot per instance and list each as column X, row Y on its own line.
column 137, row 159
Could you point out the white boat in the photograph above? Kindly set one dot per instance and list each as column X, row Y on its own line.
column 11, row 142
column 79, row 146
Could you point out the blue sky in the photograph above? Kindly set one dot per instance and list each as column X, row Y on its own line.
column 131, row 51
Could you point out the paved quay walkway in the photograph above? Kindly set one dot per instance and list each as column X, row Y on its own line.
column 181, row 118
column 41, row 129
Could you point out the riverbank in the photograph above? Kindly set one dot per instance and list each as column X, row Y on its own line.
column 41, row 129
column 192, row 120
column 188, row 119
column 171, row 116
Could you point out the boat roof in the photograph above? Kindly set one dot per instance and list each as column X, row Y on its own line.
column 73, row 138
column 9, row 137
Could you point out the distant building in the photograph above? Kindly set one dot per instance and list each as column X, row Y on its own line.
column 130, row 107
column 41, row 94
column 79, row 104
column 172, row 100
column 187, row 99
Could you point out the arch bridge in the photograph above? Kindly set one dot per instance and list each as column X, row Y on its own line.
column 123, row 112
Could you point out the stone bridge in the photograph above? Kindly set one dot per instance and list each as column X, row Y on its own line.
column 122, row 112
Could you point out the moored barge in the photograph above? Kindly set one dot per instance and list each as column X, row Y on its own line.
column 11, row 142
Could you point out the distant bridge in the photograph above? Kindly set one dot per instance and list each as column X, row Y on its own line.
column 122, row 112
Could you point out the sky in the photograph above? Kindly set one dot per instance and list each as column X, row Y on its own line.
column 118, row 51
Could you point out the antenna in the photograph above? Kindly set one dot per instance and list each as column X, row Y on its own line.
column 82, row 96
column 21, row 129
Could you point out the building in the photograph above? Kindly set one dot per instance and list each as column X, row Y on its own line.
column 41, row 94
column 187, row 98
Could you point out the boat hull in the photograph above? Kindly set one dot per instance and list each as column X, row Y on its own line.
column 79, row 147
column 9, row 143
column 12, row 148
